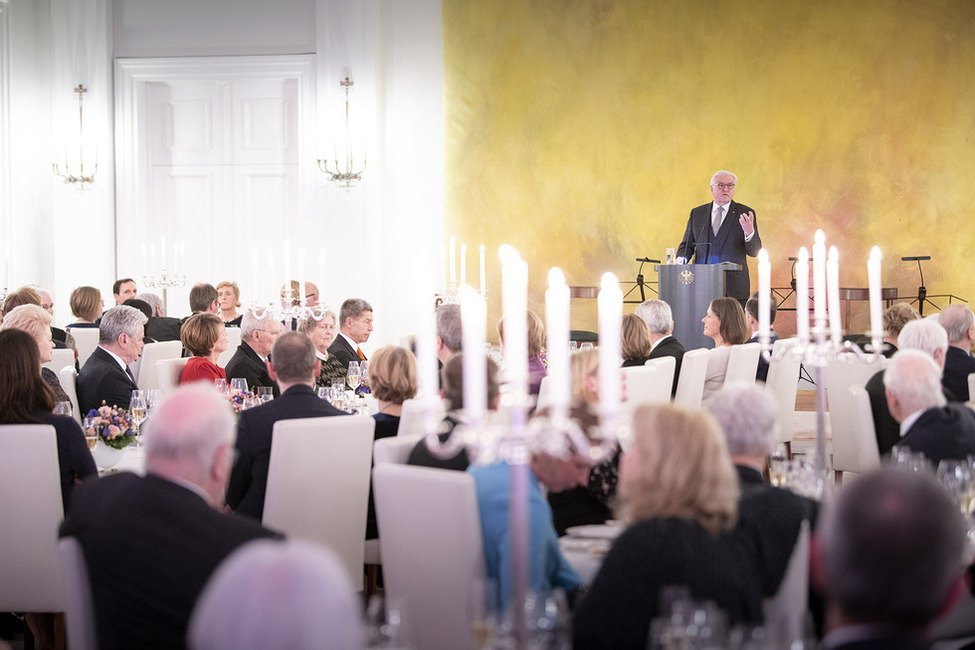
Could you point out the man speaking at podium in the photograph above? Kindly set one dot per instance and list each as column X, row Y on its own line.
column 722, row 231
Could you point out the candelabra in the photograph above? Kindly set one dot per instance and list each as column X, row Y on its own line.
column 164, row 281
column 292, row 308
column 79, row 177
column 349, row 174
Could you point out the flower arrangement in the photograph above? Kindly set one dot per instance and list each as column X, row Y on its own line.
column 241, row 399
column 114, row 426
column 363, row 388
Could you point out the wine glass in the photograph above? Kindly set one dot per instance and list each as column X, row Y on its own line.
column 154, row 398
column 778, row 465
column 364, row 372
column 221, row 385
column 137, row 408
column 63, row 408
column 265, row 394
column 91, row 431
column 353, row 376
column 238, row 383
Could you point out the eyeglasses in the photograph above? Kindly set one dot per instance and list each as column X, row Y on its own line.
column 725, row 186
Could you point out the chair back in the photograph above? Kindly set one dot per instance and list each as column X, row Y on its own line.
column 148, row 377
column 60, row 357
column 785, row 612
column 666, row 367
column 411, row 418
column 169, row 371
column 855, row 449
column 743, row 363
column 429, row 513
column 783, row 384
column 69, row 382
column 79, row 612
column 544, row 394
column 30, row 500
column 85, row 340
column 395, row 450
column 330, row 458
column 971, row 387
column 690, row 384
column 841, row 375
column 233, row 341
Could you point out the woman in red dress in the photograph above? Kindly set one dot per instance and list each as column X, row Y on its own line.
column 205, row 336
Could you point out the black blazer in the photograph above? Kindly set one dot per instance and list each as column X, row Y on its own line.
column 164, row 328
column 151, row 546
column 943, row 432
column 342, row 351
column 728, row 245
column 248, row 480
column 958, row 365
column 761, row 374
column 887, row 429
column 670, row 347
column 101, row 378
column 247, row 365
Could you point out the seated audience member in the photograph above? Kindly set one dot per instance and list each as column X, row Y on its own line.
column 927, row 424
column 146, row 310
column 311, row 294
column 86, row 306
column 123, row 289
column 636, row 341
column 680, row 493
column 725, row 323
column 959, row 323
column 294, row 367
column 895, row 318
column 769, row 517
column 660, row 319
column 37, row 322
column 26, row 399
column 454, row 454
column 290, row 595
column 106, row 375
column 228, row 300
column 450, row 332
column 536, row 340
column 59, row 335
column 152, row 542
column 890, row 559
column 548, row 569
column 355, row 325
column 321, row 331
column 751, row 316
column 22, row 296
column 257, row 336
column 160, row 327
column 922, row 334
column 205, row 336
column 203, row 298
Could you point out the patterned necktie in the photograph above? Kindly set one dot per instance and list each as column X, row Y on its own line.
column 716, row 222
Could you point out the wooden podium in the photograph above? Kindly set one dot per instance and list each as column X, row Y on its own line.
column 689, row 290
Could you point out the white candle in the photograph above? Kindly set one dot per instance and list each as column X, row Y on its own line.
column 443, row 268
column 321, row 275
column 286, row 261
column 876, row 306
column 255, row 289
column 483, row 277
column 428, row 384
column 764, row 297
column 273, row 289
column 145, row 259
column 802, row 296
column 819, row 279
column 463, row 263
column 610, row 303
column 453, row 260
column 473, row 311
column 301, row 274
column 162, row 253
column 180, row 257
column 514, row 306
column 557, row 329
column 833, row 294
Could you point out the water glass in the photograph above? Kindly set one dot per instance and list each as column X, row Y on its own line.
column 265, row 394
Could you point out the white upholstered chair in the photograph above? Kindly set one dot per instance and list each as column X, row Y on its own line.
column 169, row 371
column 855, row 445
column 69, row 382
column 841, row 375
column 395, row 449
column 30, row 500
column 233, row 341
column 60, row 357
column 79, row 611
column 664, row 379
column 148, row 377
column 430, row 515
column 690, row 384
column 85, row 340
column 743, row 363
column 318, row 483
column 785, row 612
column 783, row 384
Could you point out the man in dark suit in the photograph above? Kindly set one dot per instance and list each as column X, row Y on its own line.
column 123, row 289
column 660, row 319
column 151, row 543
column 257, row 336
column 355, row 325
column 959, row 322
column 730, row 231
column 106, row 375
column 927, row 424
column 294, row 367
column 889, row 557
column 751, row 315
column 161, row 327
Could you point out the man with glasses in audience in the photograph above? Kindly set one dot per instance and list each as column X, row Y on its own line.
column 257, row 336
column 724, row 231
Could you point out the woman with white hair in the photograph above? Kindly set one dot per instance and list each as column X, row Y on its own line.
column 268, row 595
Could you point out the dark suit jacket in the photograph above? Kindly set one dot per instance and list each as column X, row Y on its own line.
column 887, row 429
column 342, row 351
column 248, row 480
column 670, row 347
column 727, row 246
column 944, row 432
column 892, row 642
column 246, row 364
column 761, row 374
column 958, row 365
column 164, row 328
column 151, row 546
column 101, row 378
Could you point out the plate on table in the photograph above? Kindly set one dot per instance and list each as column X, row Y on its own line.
column 600, row 531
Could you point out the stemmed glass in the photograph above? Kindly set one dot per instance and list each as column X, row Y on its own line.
column 353, row 376
column 91, row 431
column 63, row 408
column 221, row 385
column 238, row 383
column 265, row 394
column 153, row 399
column 137, row 408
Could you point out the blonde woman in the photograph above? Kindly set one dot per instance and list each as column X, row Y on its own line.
column 228, row 300
column 680, row 494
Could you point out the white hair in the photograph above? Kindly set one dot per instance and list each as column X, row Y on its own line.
column 251, row 323
column 957, row 320
column 118, row 320
column 290, row 595
column 154, row 301
column 191, row 424
column 914, row 379
column 748, row 416
column 925, row 335
column 656, row 314
column 723, row 172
